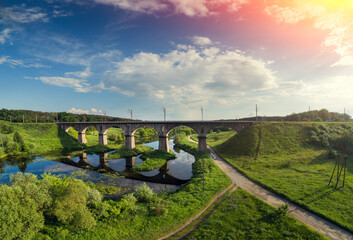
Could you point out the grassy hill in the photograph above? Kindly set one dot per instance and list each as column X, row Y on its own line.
column 296, row 161
column 42, row 137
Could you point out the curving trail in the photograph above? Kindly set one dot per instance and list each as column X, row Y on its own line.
column 319, row 224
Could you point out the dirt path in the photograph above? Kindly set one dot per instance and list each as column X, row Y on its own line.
column 319, row 224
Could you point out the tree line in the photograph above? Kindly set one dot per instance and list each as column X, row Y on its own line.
column 30, row 116
column 322, row 115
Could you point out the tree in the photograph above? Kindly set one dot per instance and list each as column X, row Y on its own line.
column 19, row 215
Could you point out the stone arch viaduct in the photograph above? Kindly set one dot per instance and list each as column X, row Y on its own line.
column 162, row 127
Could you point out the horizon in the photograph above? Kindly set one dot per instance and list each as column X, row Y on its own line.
column 226, row 56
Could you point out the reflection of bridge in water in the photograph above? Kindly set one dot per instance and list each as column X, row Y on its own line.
column 163, row 175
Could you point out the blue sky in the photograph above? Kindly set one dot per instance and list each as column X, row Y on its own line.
column 98, row 56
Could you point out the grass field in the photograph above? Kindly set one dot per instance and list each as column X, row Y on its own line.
column 289, row 164
column 243, row 216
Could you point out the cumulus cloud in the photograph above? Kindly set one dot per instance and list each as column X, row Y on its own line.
column 202, row 41
column 190, row 76
column 83, row 111
column 187, row 75
column 191, row 8
column 337, row 19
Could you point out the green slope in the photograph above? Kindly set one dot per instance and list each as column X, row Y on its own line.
column 293, row 161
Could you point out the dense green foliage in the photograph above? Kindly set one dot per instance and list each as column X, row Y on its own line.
column 243, row 216
column 45, row 117
column 153, row 159
column 293, row 160
column 126, row 152
column 322, row 115
column 28, row 201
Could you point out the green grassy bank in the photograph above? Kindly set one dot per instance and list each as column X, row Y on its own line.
column 295, row 161
column 243, row 216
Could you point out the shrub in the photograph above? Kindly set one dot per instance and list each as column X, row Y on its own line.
column 144, row 193
column 112, row 137
column 160, row 209
column 12, row 148
column 332, row 154
column 6, row 129
column 130, row 198
column 17, row 138
column 94, row 196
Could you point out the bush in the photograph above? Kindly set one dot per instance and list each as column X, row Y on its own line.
column 112, row 137
column 4, row 140
column 94, row 196
column 12, row 149
column 6, row 129
column 144, row 193
column 130, row 198
column 17, row 138
column 332, row 154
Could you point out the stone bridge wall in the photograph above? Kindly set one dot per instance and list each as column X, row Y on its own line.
column 162, row 127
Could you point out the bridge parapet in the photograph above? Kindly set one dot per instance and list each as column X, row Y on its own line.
column 162, row 127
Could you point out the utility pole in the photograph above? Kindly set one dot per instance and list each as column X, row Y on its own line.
column 130, row 111
column 256, row 109
column 165, row 113
column 201, row 113
column 36, row 119
column 23, row 118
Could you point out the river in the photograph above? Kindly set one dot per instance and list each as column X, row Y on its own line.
column 115, row 172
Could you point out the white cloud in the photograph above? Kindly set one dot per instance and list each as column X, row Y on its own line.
column 5, row 35
column 143, row 6
column 190, row 76
column 22, row 14
column 79, row 85
column 191, row 8
column 84, row 74
column 336, row 18
column 202, row 41
column 20, row 63
column 83, row 111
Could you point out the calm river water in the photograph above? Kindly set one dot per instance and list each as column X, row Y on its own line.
column 115, row 172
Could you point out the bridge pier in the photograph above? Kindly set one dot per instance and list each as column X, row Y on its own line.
column 130, row 141
column 82, row 137
column 130, row 162
column 163, row 143
column 103, row 140
column 202, row 142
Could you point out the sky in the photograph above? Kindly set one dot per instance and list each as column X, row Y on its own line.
column 108, row 56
